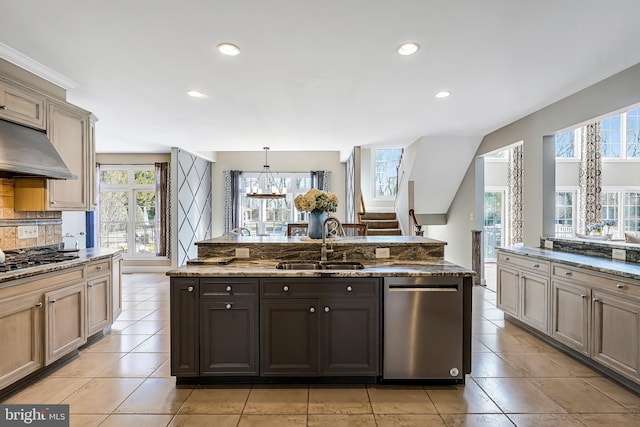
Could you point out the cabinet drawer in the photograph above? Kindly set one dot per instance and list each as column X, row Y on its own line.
column 610, row 283
column 97, row 268
column 319, row 287
column 524, row 262
column 210, row 287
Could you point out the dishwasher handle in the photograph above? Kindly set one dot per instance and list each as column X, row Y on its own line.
column 424, row 288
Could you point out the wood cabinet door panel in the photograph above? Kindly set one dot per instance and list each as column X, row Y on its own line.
column 21, row 107
column 508, row 290
column 534, row 307
column 350, row 334
column 289, row 332
column 21, row 338
column 571, row 315
column 185, row 331
column 98, row 304
column 65, row 314
column 229, row 338
column 616, row 333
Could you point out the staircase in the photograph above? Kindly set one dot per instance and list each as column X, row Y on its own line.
column 380, row 223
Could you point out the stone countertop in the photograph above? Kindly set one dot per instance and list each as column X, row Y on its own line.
column 629, row 270
column 267, row 268
column 365, row 240
column 84, row 256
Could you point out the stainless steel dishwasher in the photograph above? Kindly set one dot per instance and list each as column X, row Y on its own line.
column 423, row 328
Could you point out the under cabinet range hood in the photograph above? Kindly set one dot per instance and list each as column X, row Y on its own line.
column 28, row 152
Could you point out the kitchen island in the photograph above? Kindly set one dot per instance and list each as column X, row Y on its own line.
column 267, row 309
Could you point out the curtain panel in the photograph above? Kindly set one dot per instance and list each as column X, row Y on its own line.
column 231, row 199
column 320, row 180
column 590, row 184
column 350, row 188
column 162, row 211
column 515, row 195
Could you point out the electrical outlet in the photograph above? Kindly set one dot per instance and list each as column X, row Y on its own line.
column 382, row 253
column 242, row 252
column 548, row 244
column 619, row 254
column 27, row 232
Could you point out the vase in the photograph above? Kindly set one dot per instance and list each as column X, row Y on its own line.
column 316, row 219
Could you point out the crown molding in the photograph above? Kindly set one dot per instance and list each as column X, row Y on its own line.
column 34, row 67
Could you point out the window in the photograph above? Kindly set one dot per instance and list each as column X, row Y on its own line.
column 633, row 133
column 566, row 144
column 386, row 177
column 128, row 209
column 493, row 213
column 623, row 206
column 271, row 216
column 565, row 213
column 611, row 136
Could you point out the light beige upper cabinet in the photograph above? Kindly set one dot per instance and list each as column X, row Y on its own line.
column 68, row 130
column 21, row 337
column 21, row 106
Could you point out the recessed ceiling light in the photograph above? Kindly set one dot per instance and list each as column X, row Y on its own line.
column 196, row 94
column 229, row 49
column 443, row 94
column 408, row 48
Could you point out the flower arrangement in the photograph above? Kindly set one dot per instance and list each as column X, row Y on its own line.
column 597, row 227
column 316, row 200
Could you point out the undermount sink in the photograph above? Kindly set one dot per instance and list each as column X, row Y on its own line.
column 320, row 265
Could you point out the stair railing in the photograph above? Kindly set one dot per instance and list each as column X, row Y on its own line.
column 417, row 227
column 363, row 210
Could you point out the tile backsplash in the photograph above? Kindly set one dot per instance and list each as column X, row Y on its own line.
column 49, row 224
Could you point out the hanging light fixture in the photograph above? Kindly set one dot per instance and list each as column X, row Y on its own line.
column 271, row 190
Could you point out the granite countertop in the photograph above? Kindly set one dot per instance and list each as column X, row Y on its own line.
column 267, row 268
column 84, row 256
column 630, row 270
column 365, row 240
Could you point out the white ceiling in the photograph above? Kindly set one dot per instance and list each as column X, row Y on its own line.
column 321, row 75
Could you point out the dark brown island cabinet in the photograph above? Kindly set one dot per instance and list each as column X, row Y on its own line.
column 274, row 327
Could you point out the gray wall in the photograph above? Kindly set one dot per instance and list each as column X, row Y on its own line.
column 614, row 93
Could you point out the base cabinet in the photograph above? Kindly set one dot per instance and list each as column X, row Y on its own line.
column 98, row 304
column 21, row 337
column 571, row 315
column 523, row 290
column 65, row 321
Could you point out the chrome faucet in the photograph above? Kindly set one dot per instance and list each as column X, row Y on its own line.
column 337, row 231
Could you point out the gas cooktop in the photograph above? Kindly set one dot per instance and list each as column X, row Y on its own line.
column 16, row 259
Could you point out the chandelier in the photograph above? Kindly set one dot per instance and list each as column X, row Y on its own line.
column 270, row 189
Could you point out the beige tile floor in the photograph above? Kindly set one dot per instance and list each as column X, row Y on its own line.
column 124, row 380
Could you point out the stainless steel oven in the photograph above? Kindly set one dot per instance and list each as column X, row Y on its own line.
column 423, row 328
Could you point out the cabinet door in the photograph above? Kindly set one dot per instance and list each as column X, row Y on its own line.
column 289, row 337
column 570, row 315
column 116, row 287
column 65, row 315
column 68, row 131
column 21, row 106
column 616, row 333
column 349, row 340
column 534, row 305
column 508, row 290
column 98, row 304
column 229, row 337
column 21, row 338
column 184, row 327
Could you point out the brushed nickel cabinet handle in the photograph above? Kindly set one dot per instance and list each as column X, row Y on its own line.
column 229, row 288
column 312, row 310
column 190, row 289
column 3, row 107
column 583, row 296
column 620, row 286
column 228, row 306
column 326, row 309
column 90, row 285
column 568, row 273
column 39, row 304
column 99, row 267
column 349, row 288
column 595, row 300
column 52, row 301
column 285, row 288
column 536, row 265
column 507, row 258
